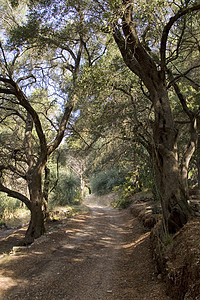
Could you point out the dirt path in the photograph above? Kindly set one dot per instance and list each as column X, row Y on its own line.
column 100, row 255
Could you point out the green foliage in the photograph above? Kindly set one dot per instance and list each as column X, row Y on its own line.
column 125, row 190
column 140, row 179
column 114, row 114
column 121, row 202
column 7, row 206
column 14, row 3
column 67, row 190
column 130, row 183
column 145, row 175
column 105, row 181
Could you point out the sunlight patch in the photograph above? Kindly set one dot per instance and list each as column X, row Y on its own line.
column 7, row 282
column 69, row 246
column 136, row 243
column 78, row 259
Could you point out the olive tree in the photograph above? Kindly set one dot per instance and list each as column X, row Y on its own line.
column 39, row 57
column 136, row 38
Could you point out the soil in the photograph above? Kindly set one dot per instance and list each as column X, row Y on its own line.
column 102, row 254
column 183, row 263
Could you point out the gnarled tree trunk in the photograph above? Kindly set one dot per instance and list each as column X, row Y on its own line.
column 36, row 225
column 173, row 198
column 170, row 185
column 198, row 162
column 45, row 195
column 187, row 157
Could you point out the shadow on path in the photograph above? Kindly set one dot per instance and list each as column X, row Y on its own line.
column 104, row 254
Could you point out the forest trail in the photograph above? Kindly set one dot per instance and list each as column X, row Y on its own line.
column 104, row 254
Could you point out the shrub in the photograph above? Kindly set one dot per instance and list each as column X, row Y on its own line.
column 67, row 191
column 125, row 190
column 105, row 181
column 8, row 206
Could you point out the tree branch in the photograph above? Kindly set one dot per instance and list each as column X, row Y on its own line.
column 180, row 96
column 23, row 101
column 4, row 57
column 58, row 44
column 184, row 75
column 13, row 112
column 61, row 129
column 15, row 195
column 25, row 78
column 166, row 30
column 127, row 55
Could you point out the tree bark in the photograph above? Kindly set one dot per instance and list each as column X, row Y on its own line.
column 198, row 156
column 188, row 155
column 198, row 169
column 193, row 142
column 36, row 226
column 176, row 210
column 45, row 194
column 173, row 198
column 37, row 161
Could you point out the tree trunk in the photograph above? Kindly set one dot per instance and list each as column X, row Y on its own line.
column 176, row 210
column 82, row 186
column 36, row 226
column 45, row 199
column 198, row 168
column 198, row 160
column 185, row 164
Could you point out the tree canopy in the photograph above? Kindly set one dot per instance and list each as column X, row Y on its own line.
column 116, row 81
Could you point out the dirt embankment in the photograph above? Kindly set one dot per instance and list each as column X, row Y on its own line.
column 178, row 260
column 103, row 254
column 178, row 256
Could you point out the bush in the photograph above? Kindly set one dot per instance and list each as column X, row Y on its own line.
column 121, row 202
column 67, row 191
column 104, row 182
column 125, row 190
column 8, row 206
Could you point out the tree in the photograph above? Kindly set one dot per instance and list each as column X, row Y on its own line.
column 35, row 164
column 47, row 47
column 11, row 90
column 153, row 73
column 56, row 45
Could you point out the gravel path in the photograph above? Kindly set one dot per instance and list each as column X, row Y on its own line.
column 104, row 254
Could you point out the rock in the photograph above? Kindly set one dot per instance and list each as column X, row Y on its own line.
column 18, row 249
column 159, row 276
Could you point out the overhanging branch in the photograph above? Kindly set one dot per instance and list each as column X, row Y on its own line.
column 167, row 28
column 15, row 195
